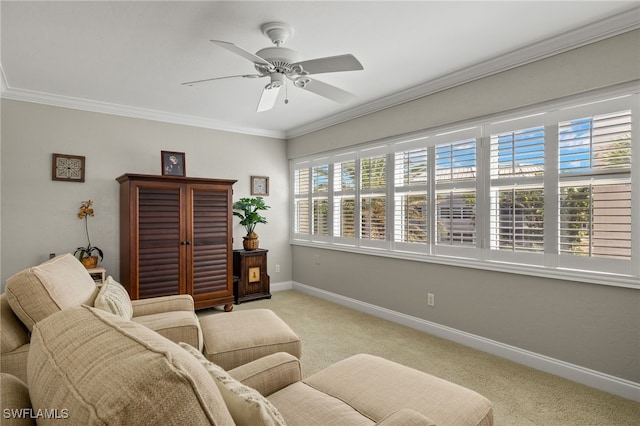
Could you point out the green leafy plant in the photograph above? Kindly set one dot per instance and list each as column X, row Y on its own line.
column 247, row 209
column 85, row 211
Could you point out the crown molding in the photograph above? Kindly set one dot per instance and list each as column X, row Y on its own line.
column 129, row 111
column 3, row 80
column 603, row 29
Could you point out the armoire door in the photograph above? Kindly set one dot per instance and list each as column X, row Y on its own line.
column 209, row 231
column 161, row 241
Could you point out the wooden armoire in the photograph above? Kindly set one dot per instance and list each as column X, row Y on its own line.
column 176, row 238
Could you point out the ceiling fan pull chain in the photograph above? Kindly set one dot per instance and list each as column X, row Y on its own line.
column 286, row 92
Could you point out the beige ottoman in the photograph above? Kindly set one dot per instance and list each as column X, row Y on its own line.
column 236, row 338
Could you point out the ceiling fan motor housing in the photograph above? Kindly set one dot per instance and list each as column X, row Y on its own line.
column 281, row 58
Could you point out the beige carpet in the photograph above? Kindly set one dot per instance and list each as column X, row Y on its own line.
column 520, row 395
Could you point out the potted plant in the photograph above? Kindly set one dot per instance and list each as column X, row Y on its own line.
column 247, row 209
column 87, row 255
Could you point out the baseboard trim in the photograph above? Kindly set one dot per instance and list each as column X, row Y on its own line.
column 605, row 382
column 286, row 285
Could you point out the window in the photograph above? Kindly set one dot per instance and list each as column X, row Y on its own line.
column 548, row 193
column 344, row 197
column 455, row 176
column 410, row 197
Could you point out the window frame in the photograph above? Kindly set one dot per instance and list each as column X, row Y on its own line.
column 548, row 263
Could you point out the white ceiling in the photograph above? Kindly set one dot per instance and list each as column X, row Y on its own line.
column 130, row 57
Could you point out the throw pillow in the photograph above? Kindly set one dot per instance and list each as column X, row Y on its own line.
column 113, row 297
column 246, row 405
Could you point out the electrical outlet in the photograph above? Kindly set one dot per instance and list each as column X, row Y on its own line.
column 431, row 299
column 317, row 259
column 277, row 267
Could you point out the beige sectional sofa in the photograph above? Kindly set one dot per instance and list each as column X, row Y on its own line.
column 88, row 366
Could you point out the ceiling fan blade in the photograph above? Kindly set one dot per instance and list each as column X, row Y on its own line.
column 268, row 97
column 244, row 53
column 209, row 80
column 323, row 89
column 330, row 64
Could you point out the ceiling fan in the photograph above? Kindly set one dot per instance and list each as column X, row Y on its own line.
column 281, row 63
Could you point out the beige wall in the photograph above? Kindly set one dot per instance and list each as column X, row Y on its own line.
column 589, row 325
column 39, row 214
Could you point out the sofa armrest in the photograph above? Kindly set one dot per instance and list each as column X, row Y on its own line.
column 406, row 417
column 269, row 373
column 159, row 305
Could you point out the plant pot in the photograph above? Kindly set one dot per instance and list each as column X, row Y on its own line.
column 250, row 242
column 89, row 261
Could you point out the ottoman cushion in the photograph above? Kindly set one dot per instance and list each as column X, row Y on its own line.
column 263, row 333
column 359, row 379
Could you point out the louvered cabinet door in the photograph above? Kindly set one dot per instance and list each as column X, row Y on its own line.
column 160, row 241
column 210, row 275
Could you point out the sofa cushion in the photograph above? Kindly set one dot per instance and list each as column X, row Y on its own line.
column 57, row 284
column 177, row 326
column 113, row 297
column 358, row 381
column 246, row 405
column 16, row 405
column 107, row 370
column 302, row 405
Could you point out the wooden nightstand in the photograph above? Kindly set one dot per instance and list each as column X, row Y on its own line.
column 252, row 281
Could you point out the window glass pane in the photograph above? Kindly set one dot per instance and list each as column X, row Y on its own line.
column 595, row 220
column 373, row 172
column 321, row 178
column 456, row 162
column 345, row 176
column 517, row 219
column 301, row 216
column 373, row 221
column 410, row 222
column 518, row 153
column 411, row 168
column 320, row 216
column 600, row 142
column 456, row 218
column 301, row 181
column 345, row 218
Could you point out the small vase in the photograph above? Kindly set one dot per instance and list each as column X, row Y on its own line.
column 250, row 242
column 89, row 261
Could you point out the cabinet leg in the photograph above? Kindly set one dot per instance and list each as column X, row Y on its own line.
column 228, row 307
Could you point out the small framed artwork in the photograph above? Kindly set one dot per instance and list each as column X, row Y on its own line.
column 67, row 168
column 173, row 163
column 259, row 185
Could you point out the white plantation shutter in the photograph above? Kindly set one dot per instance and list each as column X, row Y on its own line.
column 373, row 197
column 302, row 211
column 344, row 198
column 320, row 196
column 517, row 196
column 594, row 207
column 455, row 176
column 411, row 210
column 551, row 193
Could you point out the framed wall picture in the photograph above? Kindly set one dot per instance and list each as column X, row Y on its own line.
column 259, row 185
column 68, row 168
column 173, row 163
